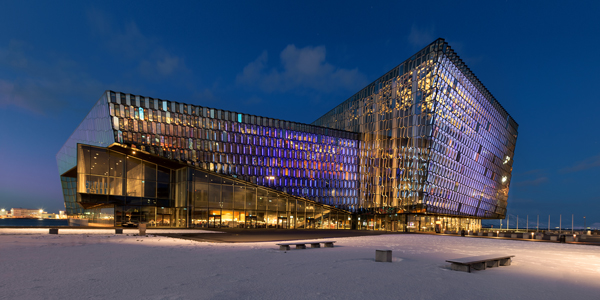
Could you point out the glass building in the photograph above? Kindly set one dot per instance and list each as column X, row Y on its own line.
column 425, row 147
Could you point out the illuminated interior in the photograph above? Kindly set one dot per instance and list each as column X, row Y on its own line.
column 425, row 147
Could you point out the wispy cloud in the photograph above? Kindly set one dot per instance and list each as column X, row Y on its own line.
column 300, row 68
column 586, row 164
column 421, row 36
column 39, row 85
column 153, row 60
column 531, row 172
column 533, row 182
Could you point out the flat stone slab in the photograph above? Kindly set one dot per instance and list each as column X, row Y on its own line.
column 466, row 264
column 302, row 245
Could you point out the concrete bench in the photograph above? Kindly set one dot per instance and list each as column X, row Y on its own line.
column 302, row 245
column 465, row 264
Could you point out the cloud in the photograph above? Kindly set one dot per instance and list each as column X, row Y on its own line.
column 533, row 171
column 153, row 60
column 300, row 68
column 41, row 85
column 420, row 37
column 534, row 182
column 586, row 164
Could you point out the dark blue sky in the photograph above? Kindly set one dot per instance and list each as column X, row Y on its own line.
column 296, row 61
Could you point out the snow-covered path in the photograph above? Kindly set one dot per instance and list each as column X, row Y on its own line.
column 102, row 266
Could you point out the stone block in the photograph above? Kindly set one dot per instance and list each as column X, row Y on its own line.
column 142, row 229
column 492, row 263
column 457, row 267
column 383, row 255
column 505, row 262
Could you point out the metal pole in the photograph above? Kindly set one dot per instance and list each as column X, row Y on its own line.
column 517, row 222
column 537, row 228
column 559, row 223
column 572, row 222
column 548, row 222
column 584, row 225
column 527, row 224
column 507, row 220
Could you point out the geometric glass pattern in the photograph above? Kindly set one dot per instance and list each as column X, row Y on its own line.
column 425, row 144
column 434, row 139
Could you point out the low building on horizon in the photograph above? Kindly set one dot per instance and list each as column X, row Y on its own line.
column 26, row 213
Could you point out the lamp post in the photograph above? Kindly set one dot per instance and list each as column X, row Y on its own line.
column 527, row 224
column 572, row 222
column 537, row 228
column 584, row 225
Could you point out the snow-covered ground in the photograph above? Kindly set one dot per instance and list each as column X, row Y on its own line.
column 106, row 266
column 101, row 231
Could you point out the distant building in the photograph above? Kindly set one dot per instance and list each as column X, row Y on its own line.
column 425, row 147
column 26, row 213
column 3, row 213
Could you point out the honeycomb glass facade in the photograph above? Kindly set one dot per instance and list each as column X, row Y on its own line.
column 424, row 147
column 435, row 141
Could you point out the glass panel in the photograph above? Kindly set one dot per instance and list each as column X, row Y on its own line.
column 134, row 187
column 134, row 168
column 271, row 219
column 227, row 219
column 117, row 164
column 83, row 160
column 227, row 196
column 98, row 161
column 149, row 172
column 162, row 190
column 148, row 215
column 149, row 189
column 163, row 175
column 214, row 195
column 200, row 195
column 116, row 186
column 200, row 218
column 250, row 201
column 261, row 200
column 239, row 197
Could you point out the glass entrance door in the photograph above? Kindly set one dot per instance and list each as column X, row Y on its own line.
column 250, row 222
column 282, row 223
column 310, row 223
column 163, row 220
column 214, row 221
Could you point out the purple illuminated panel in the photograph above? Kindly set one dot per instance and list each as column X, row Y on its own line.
column 312, row 162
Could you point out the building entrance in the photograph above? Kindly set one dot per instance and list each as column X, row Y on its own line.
column 310, row 223
column 250, row 222
column 214, row 221
column 163, row 219
column 282, row 223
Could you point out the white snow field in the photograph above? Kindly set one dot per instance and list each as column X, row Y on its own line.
column 107, row 266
